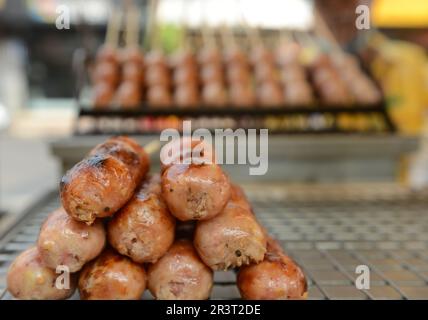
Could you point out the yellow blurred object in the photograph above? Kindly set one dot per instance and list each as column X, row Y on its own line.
column 400, row 13
column 401, row 67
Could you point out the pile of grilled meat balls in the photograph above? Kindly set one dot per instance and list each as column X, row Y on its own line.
column 121, row 230
column 228, row 78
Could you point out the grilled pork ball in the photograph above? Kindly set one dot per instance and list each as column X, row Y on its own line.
column 277, row 277
column 334, row 93
column 159, row 96
column 265, row 72
column 103, row 95
column 29, row 279
column 65, row 241
column 106, row 72
column 298, row 93
column 288, row 53
column 112, row 277
column 235, row 56
column 210, row 56
column 214, row 94
column 262, row 55
column 242, row 95
column 128, row 95
column 107, row 53
column 270, row 94
column 184, row 58
column 180, row 275
column 132, row 55
column 144, row 229
column 105, row 180
column 186, row 75
column 292, row 73
column 237, row 73
column 133, row 72
column 157, row 76
column 156, row 58
column 232, row 238
column 195, row 191
column 186, row 95
column 211, row 73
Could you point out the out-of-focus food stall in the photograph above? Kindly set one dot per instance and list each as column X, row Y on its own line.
column 343, row 108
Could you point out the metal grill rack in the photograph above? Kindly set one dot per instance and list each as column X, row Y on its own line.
column 329, row 231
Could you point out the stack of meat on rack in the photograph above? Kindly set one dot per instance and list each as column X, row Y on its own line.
column 121, row 230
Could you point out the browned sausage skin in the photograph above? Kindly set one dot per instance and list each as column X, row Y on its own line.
column 144, row 229
column 65, row 241
column 104, row 181
column 277, row 277
column 29, row 279
column 195, row 191
column 180, row 275
column 232, row 238
column 112, row 277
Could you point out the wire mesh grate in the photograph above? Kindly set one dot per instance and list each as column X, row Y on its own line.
column 329, row 232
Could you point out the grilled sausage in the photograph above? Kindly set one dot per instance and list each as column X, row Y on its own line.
column 65, row 241
column 180, row 275
column 112, row 277
column 144, row 229
column 195, row 191
column 277, row 277
column 29, row 279
column 104, row 181
column 232, row 238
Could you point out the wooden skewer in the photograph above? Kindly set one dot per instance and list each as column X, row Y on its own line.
column 252, row 33
column 285, row 35
column 132, row 27
column 323, row 30
column 227, row 37
column 151, row 28
column 112, row 34
column 185, row 43
column 208, row 37
column 152, row 147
